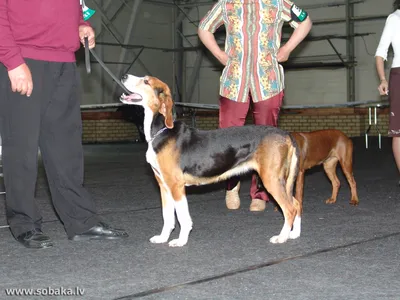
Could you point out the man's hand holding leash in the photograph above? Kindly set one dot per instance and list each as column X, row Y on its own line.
column 87, row 31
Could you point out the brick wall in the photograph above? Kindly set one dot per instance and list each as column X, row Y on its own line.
column 106, row 127
column 352, row 121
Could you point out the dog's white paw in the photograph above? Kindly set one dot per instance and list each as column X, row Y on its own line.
column 294, row 234
column 158, row 239
column 278, row 239
column 177, row 243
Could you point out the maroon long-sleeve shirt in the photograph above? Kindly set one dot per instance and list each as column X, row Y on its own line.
column 41, row 30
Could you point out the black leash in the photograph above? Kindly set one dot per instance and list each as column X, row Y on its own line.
column 87, row 56
column 88, row 67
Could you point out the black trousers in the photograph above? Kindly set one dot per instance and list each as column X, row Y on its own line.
column 50, row 120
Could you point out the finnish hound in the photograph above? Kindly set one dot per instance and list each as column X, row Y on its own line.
column 181, row 156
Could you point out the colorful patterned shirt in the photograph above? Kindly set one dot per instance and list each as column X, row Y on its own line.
column 253, row 38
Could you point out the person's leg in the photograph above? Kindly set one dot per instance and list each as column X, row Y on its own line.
column 232, row 113
column 267, row 112
column 396, row 150
column 264, row 113
column 62, row 152
column 394, row 117
column 20, row 125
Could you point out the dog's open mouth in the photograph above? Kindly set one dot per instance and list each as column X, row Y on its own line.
column 131, row 98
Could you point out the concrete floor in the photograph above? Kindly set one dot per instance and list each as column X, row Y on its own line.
column 344, row 252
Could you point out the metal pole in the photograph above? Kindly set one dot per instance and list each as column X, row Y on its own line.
column 350, row 51
column 376, row 127
column 343, row 20
column 113, row 17
column 194, row 77
column 117, row 36
column 178, row 57
column 336, row 51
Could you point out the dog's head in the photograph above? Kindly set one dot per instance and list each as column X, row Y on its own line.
column 151, row 93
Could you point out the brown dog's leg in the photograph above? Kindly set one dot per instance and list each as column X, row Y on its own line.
column 330, row 170
column 300, row 189
column 346, row 162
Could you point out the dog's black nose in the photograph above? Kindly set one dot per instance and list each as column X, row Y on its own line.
column 124, row 77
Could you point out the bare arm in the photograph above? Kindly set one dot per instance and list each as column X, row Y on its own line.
column 380, row 68
column 209, row 41
column 295, row 39
column 299, row 34
column 382, row 51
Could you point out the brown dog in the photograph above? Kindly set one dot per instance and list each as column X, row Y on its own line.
column 327, row 147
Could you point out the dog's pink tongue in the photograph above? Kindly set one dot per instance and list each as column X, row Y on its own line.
column 133, row 96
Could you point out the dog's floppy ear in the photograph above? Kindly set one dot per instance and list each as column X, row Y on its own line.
column 166, row 107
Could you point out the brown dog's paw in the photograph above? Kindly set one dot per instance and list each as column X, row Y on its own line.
column 354, row 202
column 330, row 201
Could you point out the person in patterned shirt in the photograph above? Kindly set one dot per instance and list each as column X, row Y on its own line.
column 252, row 73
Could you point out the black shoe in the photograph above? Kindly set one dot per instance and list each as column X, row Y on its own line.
column 101, row 231
column 35, row 239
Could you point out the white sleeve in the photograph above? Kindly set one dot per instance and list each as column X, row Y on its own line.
column 386, row 38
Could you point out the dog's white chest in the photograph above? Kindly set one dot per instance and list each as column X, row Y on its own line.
column 151, row 158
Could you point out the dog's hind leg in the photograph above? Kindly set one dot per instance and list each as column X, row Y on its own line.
column 298, row 203
column 277, row 190
column 274, row 181
column 296, row 228
column 168, row 212
column 278, row 176
column 330, row 170
column 293, row 175
column 300, row 186
column 346, row 162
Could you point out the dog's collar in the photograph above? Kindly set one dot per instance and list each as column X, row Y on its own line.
column 157, row 134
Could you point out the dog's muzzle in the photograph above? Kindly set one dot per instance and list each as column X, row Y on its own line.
column 131, row 98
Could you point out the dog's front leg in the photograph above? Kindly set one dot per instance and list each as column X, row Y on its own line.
column 185, row 221
column 168, row 212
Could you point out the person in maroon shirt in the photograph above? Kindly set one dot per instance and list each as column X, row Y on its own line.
column 40, row 108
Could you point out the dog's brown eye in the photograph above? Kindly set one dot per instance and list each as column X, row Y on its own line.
column 146, row 81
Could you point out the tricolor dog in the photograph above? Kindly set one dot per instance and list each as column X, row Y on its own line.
column 181, row 156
